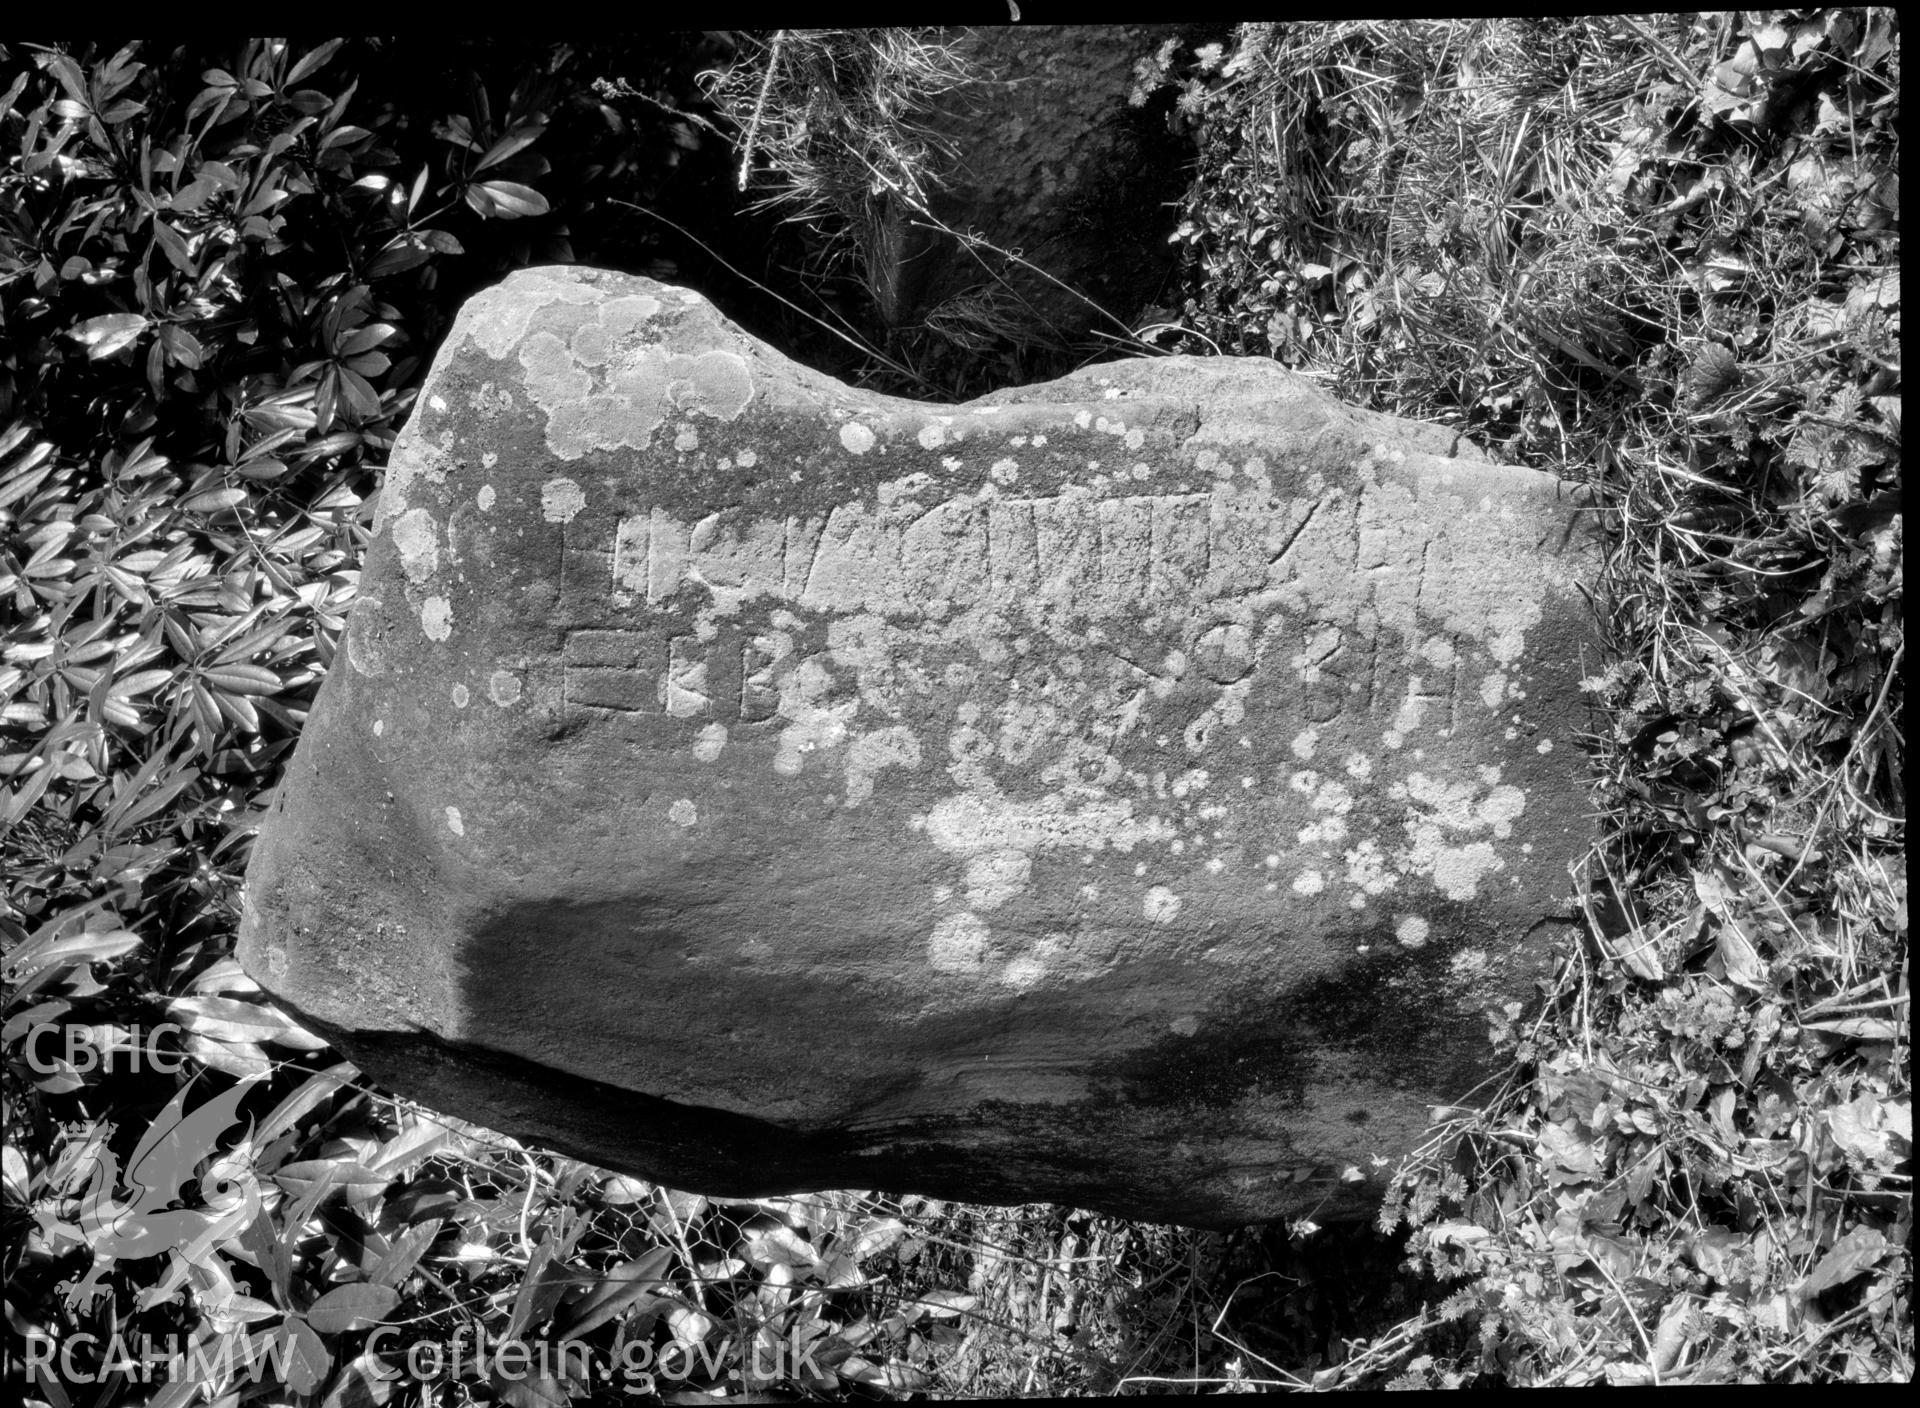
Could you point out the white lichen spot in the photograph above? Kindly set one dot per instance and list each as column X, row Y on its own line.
column 1438, row 650
column 1160, row 905
column 932, row 435
column 1412, row 931
column 747, row 459
column 437, row 401
column 1457, row 870
column 1023, row 972
column 1545, row 745
column 503, row 688
column 1333, row 797
column 1303, row 743
column 814, row 724
column 687, row 440
column 460, row 696
column 1326, row 831
column 1501, row 806
column 959, row 944
column 1468, row 965
column 488, row 459
column 1493, row 689
column 1273, row 862
column 1215, row 866
column 561, row 500
column 454, row 823
column 1359, row 767
column 1304, row 781
column 1309, row 882
column 711, row 740
column 1367, row 868
column 1184, row 1026
column 996, row 877
column 418, row 537
column 856, row 437
column 487, row 497
column 1004, row 471
column 683, row 812
column 436, row 618
column 379, row 727
column 869, row 753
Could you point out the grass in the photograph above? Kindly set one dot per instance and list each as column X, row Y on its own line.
column 1656, row 255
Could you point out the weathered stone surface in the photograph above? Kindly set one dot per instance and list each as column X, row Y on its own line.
column 1130, row 791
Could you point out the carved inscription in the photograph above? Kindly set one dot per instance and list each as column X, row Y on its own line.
column 1226, row 571
column 614, row 670
column 1075, row 552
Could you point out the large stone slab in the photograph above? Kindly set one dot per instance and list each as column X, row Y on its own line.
column 1131, row 791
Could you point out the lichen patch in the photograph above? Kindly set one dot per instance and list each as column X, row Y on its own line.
column 436, row 618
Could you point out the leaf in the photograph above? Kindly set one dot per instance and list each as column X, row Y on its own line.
column 781, row 1246
column 418, row 1140
column 313, row 60
column 307, row 1360
column 505, row 200
column 518, row 138
column 312, row 1091
column 362, row 401
column 1639, row 949
column 1671, row 1337
column 174, row 245
column 1858, row 1128
column 193, row 195
column 107, row 334
column 242, row 679
column 528, row 1387
column 943, row 1305
column 352, row 1307
column 215, row 501
column 365, row 339
column 546, row 1278
column 240, row 1059
column 183, row 348
column 365, row 1383
column 91, row 947
column 877, row 1236
column 626, row 1284
column 405, row 1253
column 1570, row 1156
column 1860, row 1028
column 229, row 1019
column 403, row 252
column 1743, row 964
column 355, row 1181
column 619, row 1190
column 1858, row 1251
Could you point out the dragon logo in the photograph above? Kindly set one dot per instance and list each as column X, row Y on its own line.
column 141, row 1218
